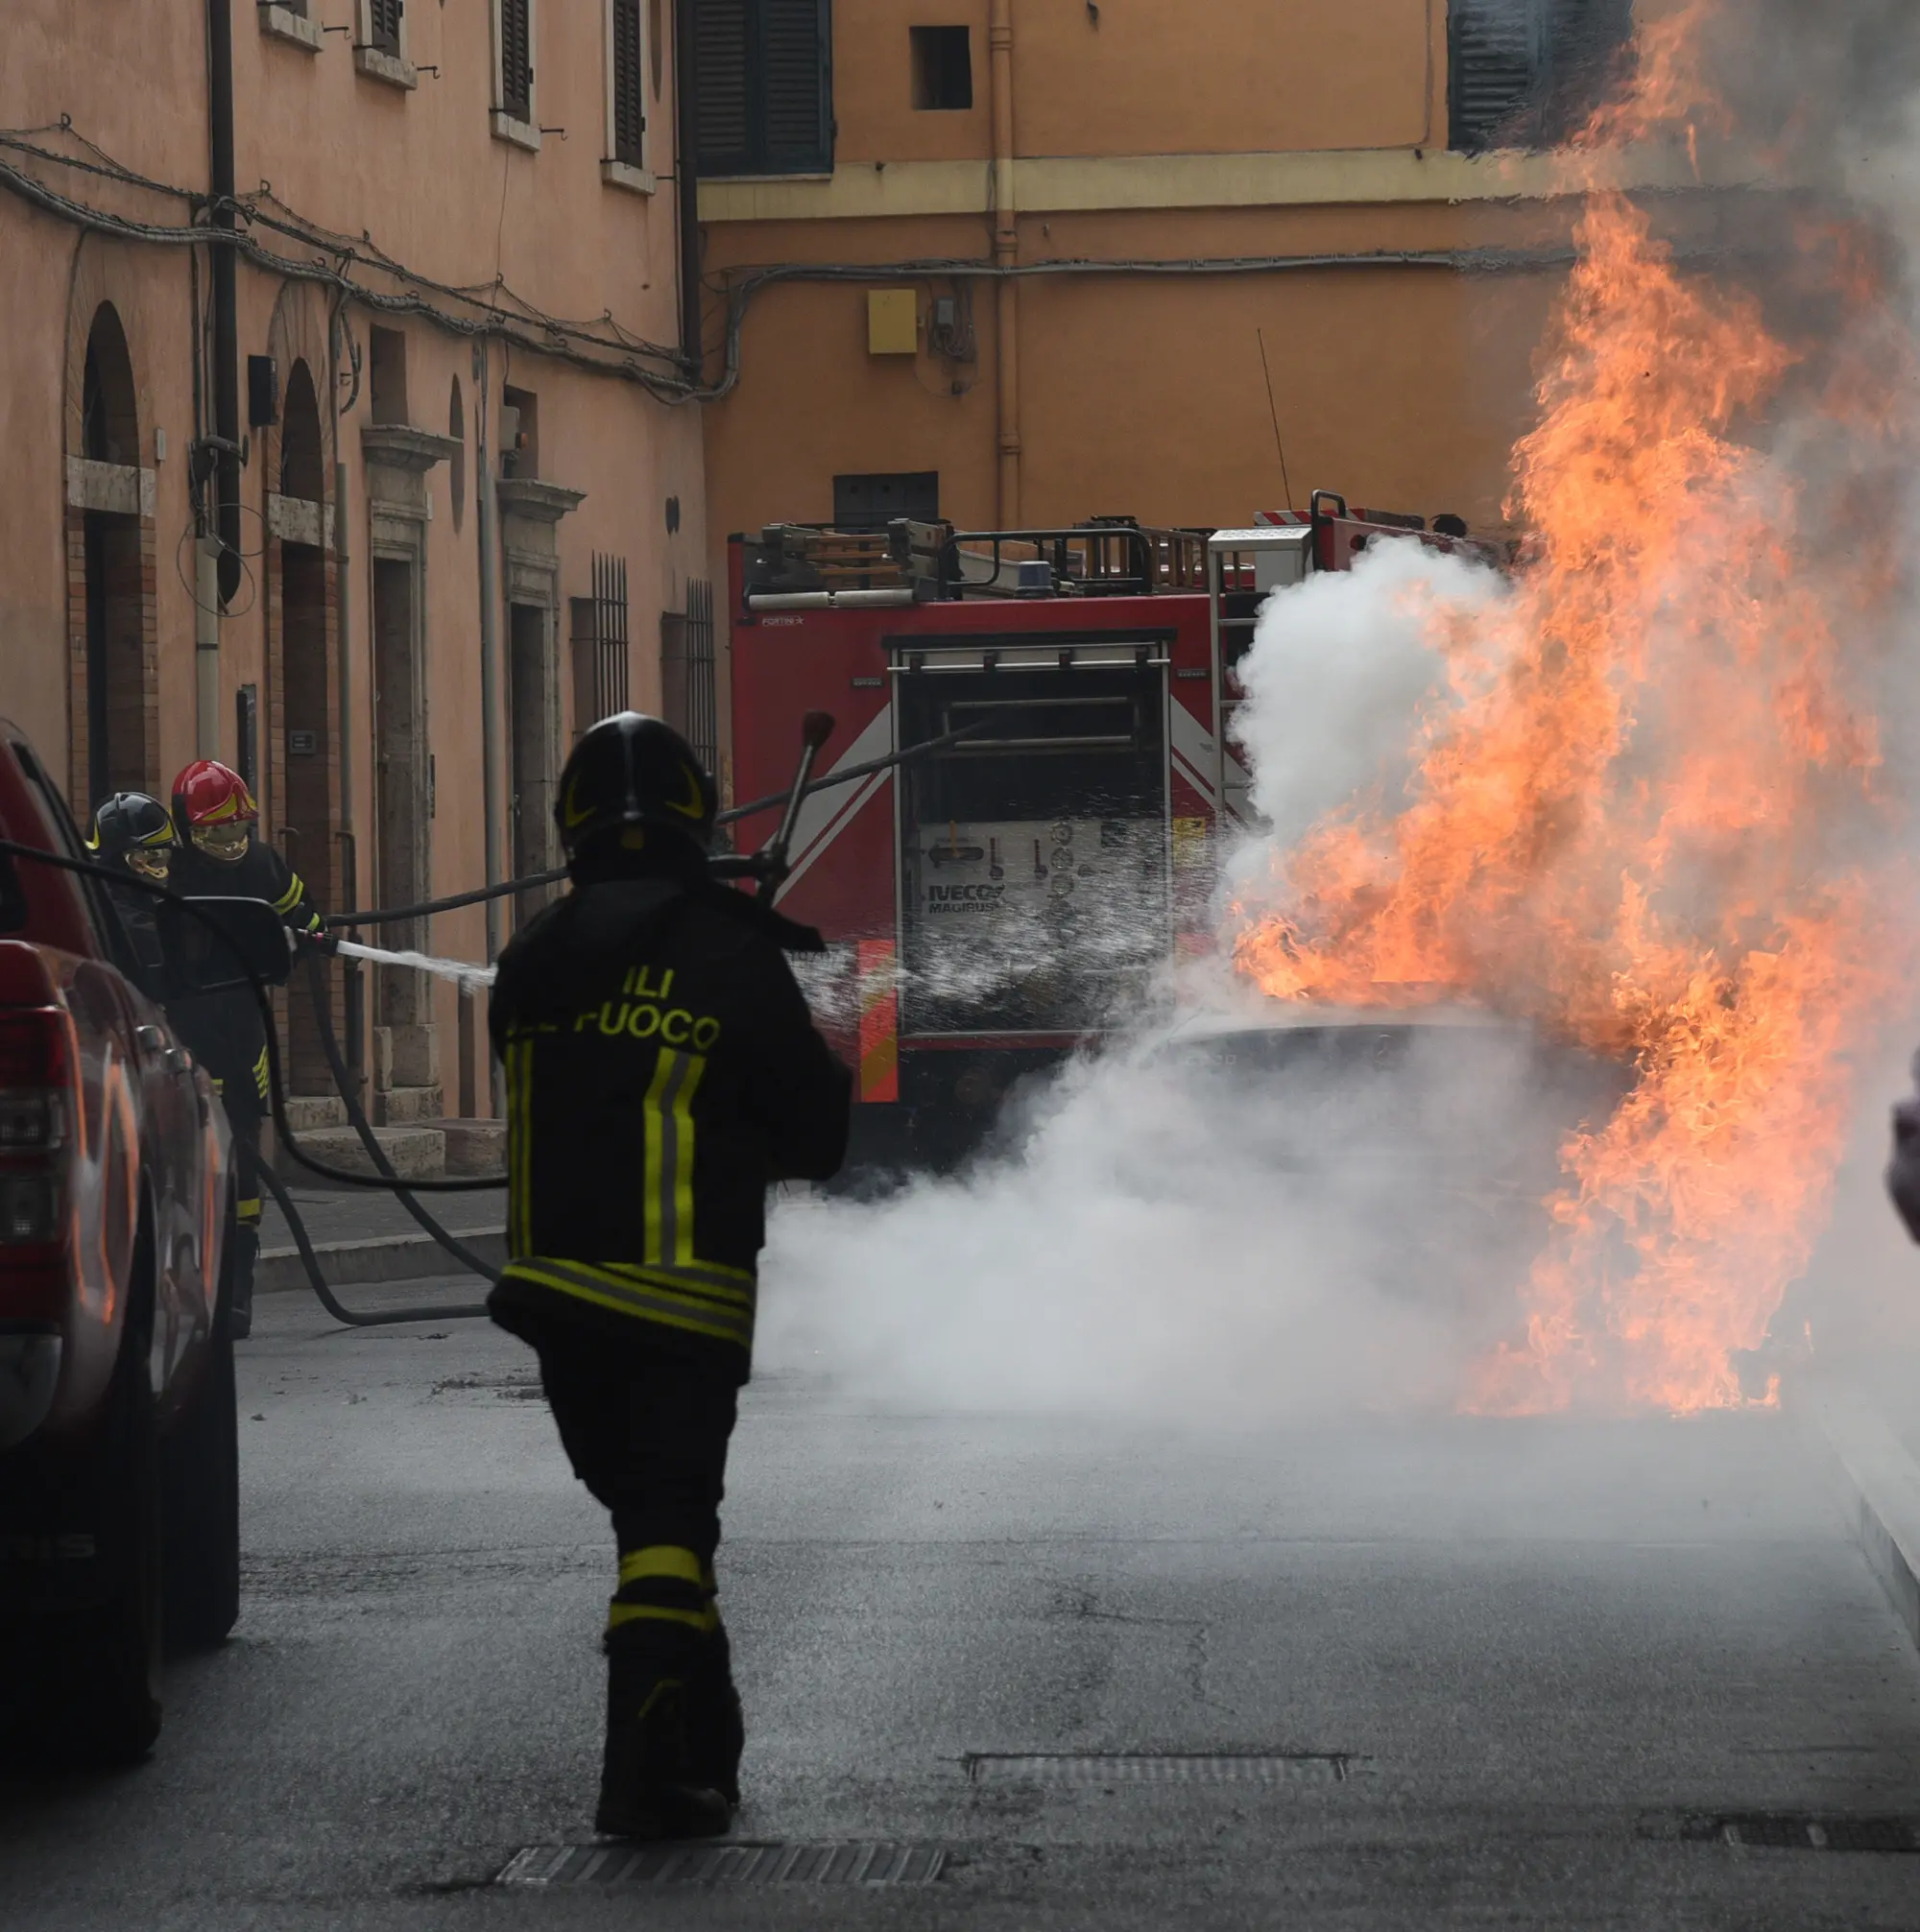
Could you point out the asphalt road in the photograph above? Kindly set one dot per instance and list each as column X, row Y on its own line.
column 1507, row 1664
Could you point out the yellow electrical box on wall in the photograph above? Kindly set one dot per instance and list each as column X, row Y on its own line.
column 893, row 322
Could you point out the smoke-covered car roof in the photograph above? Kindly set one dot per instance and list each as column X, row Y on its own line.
column 1303, row 1016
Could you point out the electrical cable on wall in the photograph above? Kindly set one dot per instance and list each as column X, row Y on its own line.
column 571, row 342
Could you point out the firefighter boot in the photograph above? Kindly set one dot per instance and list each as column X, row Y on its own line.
column 718, row 1733
column 650, row 1787
column 240, row 1308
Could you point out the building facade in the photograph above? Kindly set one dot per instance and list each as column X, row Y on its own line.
column 374, row 477
column 1016, row 262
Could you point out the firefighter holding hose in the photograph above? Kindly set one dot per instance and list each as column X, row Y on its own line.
column 220, row 856
column 661, row 1068
column 134, row 833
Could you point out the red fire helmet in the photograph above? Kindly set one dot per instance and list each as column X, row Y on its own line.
column 209, row 793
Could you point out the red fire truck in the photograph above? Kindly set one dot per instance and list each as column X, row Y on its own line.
column 993, row 902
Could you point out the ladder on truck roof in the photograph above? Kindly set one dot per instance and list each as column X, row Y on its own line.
column 813, row 566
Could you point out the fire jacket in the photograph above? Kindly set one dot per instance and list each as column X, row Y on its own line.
column 222, row 1031
column 661, row 1068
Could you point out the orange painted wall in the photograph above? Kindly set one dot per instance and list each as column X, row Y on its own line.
column 1404, row 387
column 1222, row 77
column 419, row 173
column 1401, row 387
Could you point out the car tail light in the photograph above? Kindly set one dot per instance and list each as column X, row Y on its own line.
column 30, row 1208
column 40, row 1065
column 36, row 1078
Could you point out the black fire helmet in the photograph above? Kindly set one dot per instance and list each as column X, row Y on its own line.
column 631, row 773
column 130, row 822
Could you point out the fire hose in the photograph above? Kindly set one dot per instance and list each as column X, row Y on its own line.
column 262, row 992
column 768, row 866
column 789, row 801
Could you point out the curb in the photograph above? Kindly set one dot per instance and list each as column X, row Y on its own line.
column 1881, row 1484
column 387, row 1257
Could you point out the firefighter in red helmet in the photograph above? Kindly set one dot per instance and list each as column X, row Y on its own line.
column 219, row 856
column 662, row 1067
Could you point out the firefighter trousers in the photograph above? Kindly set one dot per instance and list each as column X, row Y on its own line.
column 244, row 1096
column 646, row 1430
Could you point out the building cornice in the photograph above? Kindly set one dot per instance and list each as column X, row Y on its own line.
column 538, row 502
column 396, row 446
column 1106, row 184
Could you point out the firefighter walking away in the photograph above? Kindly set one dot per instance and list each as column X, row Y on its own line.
column 220, row 856
column 661, row 1068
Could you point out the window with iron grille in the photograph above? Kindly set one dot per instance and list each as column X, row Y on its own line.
column 688, row 695
column 628, row 85
column 383, row 26
column 766, row 86
column 517, row 59
column 600, row 676
column 1529, row 73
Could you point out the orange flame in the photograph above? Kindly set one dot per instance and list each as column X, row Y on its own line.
column 1625, row 825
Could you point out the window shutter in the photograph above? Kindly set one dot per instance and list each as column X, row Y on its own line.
column 793, row 66
column 766, row 86
column 722, row 52
column 1584, row 42
column 1494, row 53
column 517, row 62
column 383, row 18
column 630, row 115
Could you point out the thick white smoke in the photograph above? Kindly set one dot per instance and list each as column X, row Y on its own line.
column 1144, row 1254
column 1343, row 670
column 1149, row 1250
column 1154, row 1241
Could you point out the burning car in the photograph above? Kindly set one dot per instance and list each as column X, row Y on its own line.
column 1432, row 1134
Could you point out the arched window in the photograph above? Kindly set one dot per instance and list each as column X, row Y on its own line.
column 456, row 469
column 109, row 421
column 112, row 723
column 302, row 471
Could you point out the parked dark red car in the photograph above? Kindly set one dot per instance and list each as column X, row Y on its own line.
column 119, row 1486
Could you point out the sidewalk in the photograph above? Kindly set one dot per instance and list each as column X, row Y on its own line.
column 1864, row 1397
column 368, row 1237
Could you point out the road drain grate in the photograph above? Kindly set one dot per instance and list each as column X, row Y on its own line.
column 570, row 1865
column 1126, row 1767
column 1796, row 1832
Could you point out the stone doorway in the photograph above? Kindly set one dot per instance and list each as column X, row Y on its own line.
column 399, row 777
column 530, row 513
column 114, row 698
column 406, row 1046
column 532, row 750
column 303, row 755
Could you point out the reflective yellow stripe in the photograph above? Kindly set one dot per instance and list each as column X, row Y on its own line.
column 248, row 1212
column 682, row 1173
column 618, row 1614
column 669, row 1204
column 292, row 897
column 681, row 1565
column 656, row 1153
column 519, row 1124
column 516, row 1153
column 732, row 1288
column 620, row 1278
column 671, row 1305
